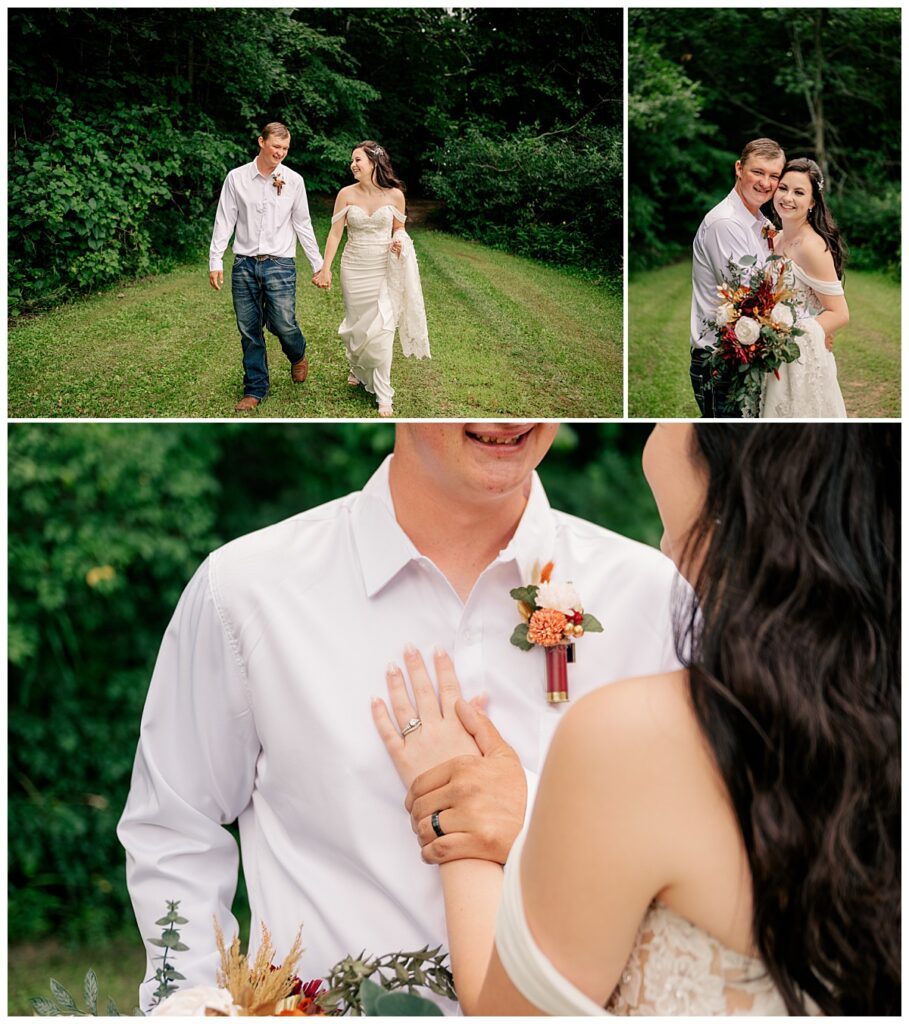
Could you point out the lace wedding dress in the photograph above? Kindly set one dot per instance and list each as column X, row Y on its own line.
column 381, row 292
column 675, row 968
column 807, row 388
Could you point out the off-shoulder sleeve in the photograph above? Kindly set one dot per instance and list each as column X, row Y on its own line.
column 530, row 971
column 398, row 215
column 340, row 214
column 821, row 287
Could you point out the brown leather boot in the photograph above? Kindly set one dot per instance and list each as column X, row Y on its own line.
column 247, row 403
column 299, row 370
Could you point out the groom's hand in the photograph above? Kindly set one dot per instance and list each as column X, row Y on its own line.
column 480, row 801
column 216, row 279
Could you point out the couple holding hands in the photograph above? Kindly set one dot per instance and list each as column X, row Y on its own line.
column 263, row 205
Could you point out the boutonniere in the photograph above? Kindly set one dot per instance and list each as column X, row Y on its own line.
column 278, row 182
column 554, row 618
column 769, row 232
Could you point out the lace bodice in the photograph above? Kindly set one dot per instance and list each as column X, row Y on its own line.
column 675, row 968
column 807, row 289
column 368, row 229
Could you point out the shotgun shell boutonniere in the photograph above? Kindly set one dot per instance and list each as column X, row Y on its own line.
column 553, row 619
column 769, row 232
column 278, row 182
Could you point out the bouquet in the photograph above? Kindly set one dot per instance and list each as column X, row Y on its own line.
column 381, row 986
column 755, row 330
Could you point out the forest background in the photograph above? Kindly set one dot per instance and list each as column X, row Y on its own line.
column 123, row 123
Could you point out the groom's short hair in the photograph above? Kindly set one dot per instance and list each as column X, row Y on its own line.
column 766, row 148
column 275, row 128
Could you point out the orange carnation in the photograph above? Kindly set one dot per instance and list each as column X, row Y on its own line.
column 546, row 627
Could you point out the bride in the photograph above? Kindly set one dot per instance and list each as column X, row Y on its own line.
column 813, row 251
column 723, row 839
column 379, row 276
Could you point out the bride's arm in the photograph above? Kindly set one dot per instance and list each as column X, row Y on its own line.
column 397, row 222
column 323, row 278
column 817, row 262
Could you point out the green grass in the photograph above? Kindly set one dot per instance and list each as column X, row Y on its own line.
column 659, row 304
column 509, row 336
column 119, row 965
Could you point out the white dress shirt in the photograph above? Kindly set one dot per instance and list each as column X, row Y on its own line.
column 728, row 232
column 263, row 223
column 259, row 708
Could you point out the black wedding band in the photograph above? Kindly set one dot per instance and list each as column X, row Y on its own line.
column 436, row 827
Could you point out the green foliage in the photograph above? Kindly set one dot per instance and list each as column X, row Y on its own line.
column 166, row 974
column 362, row 986
column 551, row 197
column 63, row 1005
column 107, row 522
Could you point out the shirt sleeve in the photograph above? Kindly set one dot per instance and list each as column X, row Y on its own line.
column 225, row 222
column 194, row 773
column 723, row 241
column 302, row 224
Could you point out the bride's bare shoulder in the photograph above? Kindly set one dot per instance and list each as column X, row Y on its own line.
column 648, row 719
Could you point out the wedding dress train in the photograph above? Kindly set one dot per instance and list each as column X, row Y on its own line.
column 807, row 388
column 381, row 293
column 675, row 968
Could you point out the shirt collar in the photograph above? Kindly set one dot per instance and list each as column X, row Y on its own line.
column 751, row 219
column 254, row 171
column 384, row 549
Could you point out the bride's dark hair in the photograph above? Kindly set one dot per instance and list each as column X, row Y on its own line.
column 384, row 172
column 820, row 217
column 792, row 645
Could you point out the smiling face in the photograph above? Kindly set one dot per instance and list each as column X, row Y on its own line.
column 794, row 196
column 679, row 484
column 475, row 462
column 756, row 179
column 361, row 167
column 273, row 149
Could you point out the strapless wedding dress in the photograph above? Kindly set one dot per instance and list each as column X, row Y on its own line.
column 675, row 968
column 372, row 309
column 807, row 388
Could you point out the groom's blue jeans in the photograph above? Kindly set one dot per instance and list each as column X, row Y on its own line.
column 265, row 294
column 713, row 400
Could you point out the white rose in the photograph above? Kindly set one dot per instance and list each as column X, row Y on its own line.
column 747, row 330
column 781, row 315
column 194, row 1002
column 561, row 596
column 724, row 314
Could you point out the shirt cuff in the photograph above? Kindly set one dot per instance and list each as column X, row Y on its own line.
column 214, row 264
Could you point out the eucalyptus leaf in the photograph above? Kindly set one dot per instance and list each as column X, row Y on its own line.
column 528, row 594
column 369, row 995
column 405, row 1004
column 591, row 624
column 748, row 261
column 519, row 637
column 112, row 1010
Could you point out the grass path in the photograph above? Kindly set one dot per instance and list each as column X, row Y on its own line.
column 509, row 337
column 867, row 351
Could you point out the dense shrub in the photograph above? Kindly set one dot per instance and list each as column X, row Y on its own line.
column 554, row 197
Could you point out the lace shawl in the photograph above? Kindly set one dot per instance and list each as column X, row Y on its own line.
column 406, row 296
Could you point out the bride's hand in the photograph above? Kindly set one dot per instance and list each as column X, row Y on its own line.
column 441, row 735
column 396, row 247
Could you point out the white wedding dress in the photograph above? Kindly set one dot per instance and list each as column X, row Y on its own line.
column 379, row 297
column 675, row 968
column 807, row 388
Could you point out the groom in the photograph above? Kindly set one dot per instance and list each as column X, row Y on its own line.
column 259, row 707
column 734, row 228
column 263, row 204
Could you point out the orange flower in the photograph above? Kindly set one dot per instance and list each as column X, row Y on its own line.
column 546, row 627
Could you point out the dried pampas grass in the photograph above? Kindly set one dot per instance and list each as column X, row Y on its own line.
column 257, row 988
